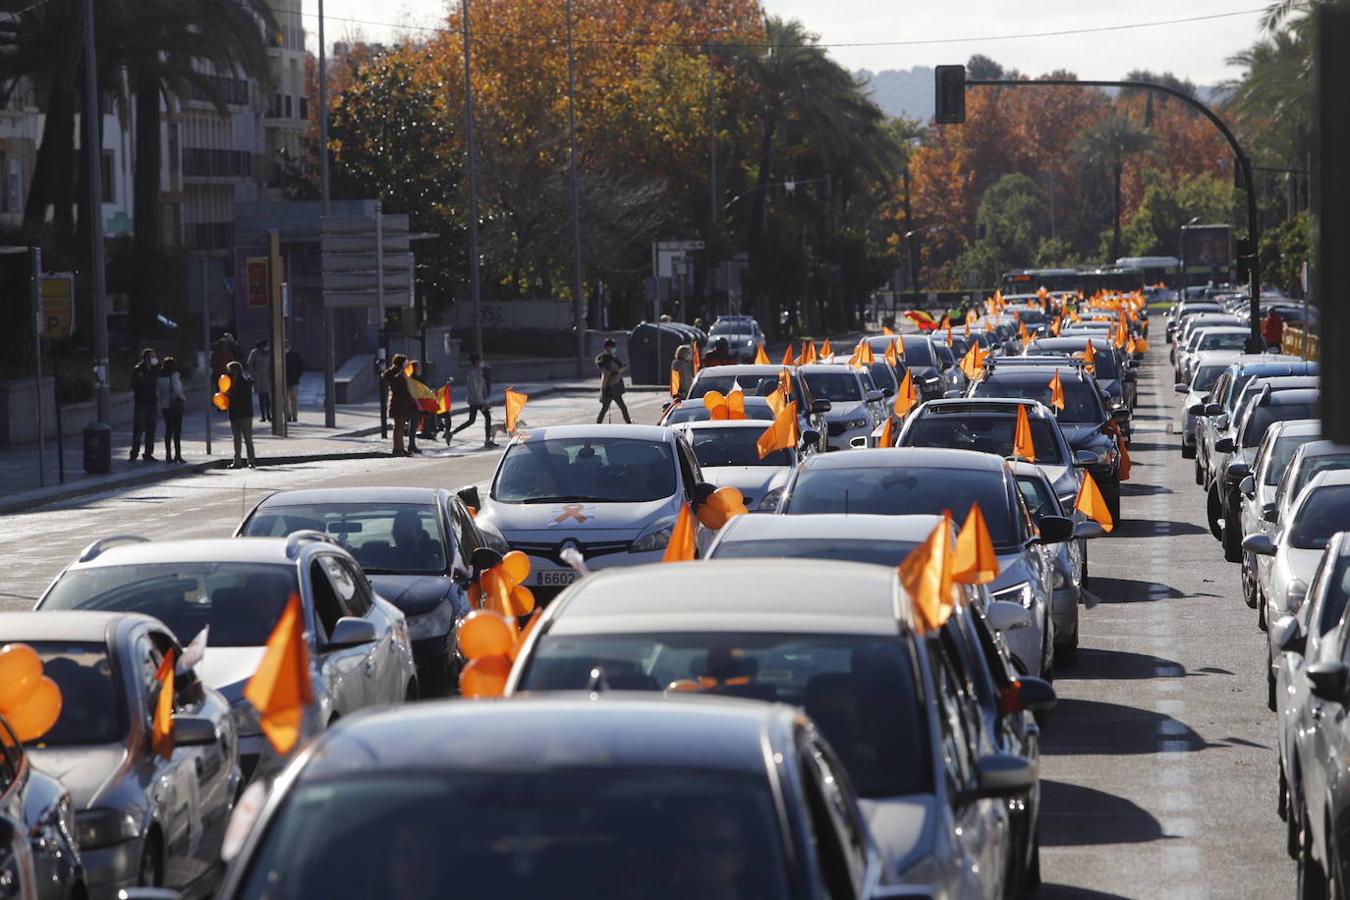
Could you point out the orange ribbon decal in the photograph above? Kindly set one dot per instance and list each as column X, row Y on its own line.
column 571, row 511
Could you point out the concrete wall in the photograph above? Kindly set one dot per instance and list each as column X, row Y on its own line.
column 18, row 419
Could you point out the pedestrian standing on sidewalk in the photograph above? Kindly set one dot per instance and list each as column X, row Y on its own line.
column 144, row 410
column 401, row 405
column 241, row 412
column 611, row 382
column 260, row 369
column 683, row 366
column 477, row 387
column 172, row 402
column 295, row 367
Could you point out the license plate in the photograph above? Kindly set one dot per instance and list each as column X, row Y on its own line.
column 557, row 578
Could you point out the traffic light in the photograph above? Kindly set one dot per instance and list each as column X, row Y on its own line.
column 950, row 100
column 1244, row 260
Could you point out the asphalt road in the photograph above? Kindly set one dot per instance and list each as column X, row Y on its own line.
column 1159, row 765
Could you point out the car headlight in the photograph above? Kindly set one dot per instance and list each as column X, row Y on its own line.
column 769, row 502
column 1295, row 594
column 860, row 422
column 653, row 537
column 433, row 623
column 246, row 722
column 104, row 827
column 1099, row 456
column 1018, row 593
column 1117, row 402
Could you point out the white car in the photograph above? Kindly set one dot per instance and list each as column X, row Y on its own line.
column 1209, row 365
column 1258, row 487
column 1321, row 510
column 611, row 492
column 1209, row 338
column 855, row 403
column 728, row 455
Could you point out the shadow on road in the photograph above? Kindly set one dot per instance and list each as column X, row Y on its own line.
column 1064, row 892
column 1095, row 663
column 1150, row 528
column 1125, row 590
column 1077, row 816
column 1092, row 727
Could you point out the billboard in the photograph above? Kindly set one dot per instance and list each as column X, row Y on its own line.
column 1207, row 247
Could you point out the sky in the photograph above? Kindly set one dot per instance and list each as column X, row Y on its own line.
column 956, row 29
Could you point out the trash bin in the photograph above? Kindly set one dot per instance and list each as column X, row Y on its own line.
column 651, row 347
column 98, row 448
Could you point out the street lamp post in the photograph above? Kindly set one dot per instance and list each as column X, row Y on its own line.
column 474, row 288
column 94, row 179
column 329, row 351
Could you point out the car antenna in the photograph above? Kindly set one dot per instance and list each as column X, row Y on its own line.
column 597, row 683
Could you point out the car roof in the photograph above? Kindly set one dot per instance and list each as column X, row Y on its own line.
column 658, row 433
column 1071, row 340
column 1329, row 478
column 754, row 595
column 1297, row 427
column 554, row 731
column 712, row 424
column 1272, row 361
column 1219, row 357
column 1323, row 447
column 1223, row 329
column 364, row 494
column 1021, row 467
column 1280, row 384
column 904, row 457
column 984, row 405
column 84, row 626
column 1040, row 374
column 228, row 549
column 830, row 526
column 1293, row 397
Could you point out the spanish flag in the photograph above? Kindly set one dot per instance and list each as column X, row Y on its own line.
column 425, row 396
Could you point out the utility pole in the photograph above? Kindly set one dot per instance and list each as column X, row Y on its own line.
column 474, row 288
column 713, row 209
column 94, row 178
column 576, row 194
column 329, row 351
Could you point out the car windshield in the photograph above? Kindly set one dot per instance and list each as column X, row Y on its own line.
column 717, row 447
column 1324, row 512
column 1282, row 454
column 837, row 387
column 240, row 602
column 983, row 432
column 884, row 377
column 385, row 538
column 861, row 691
column 1104, row 364
column 912, row 490
column 697, row 412
column 945, row 356
column 750, row 385
column 612, row 832
column 1040, row 499
column 918, row 351
column 1205, row 377
column 1222, row 340
column 1263, row 417
column 579, row 469
column 1031, row 316
column 881, row 553
column 91, row 706
column 1081, row 403
column 1312, row 465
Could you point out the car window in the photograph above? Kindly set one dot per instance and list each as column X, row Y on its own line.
column 840, row 844
column 187, row 688
column 327, row 607
column 1323, row 512
column 464, row 534
column 958, row 758
column 1040, row 500
column 92, row 707
column 385, row 538
column 837, row 387
column 1309, row 469
column 1206, row 377
column 1279, row 457
column 11, row 757
column 349, row 585
column 1262, row 417
column 1082, row 403
column 982, row 432
column 721, row 447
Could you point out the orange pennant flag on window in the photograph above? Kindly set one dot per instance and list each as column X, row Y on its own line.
column 787, row 356
column 783, row 434
column 906, row 398
column 973, row 362
column 761, row 357
column 808, row 354
column 1022, row 332
column 927, row 575
column 1055, row 325
column 280, row 689
column 1092, row 504
column 1022, row 444
column 674, row 382
column 682, row 547
column 1120, row 448
column 887, row 330
column 161, row 724
column 698, row 358
column 515, row 402
column 826, row 351
column 886, row 440
column 1057, row 391
column 975, row 561
column 891, row 355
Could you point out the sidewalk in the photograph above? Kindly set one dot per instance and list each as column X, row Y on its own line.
column 355, row 437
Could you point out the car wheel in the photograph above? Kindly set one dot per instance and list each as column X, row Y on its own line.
column 1248, row 585
column 1312, row 882
column 1232, row 541
column 150, row 872
column 1215, row 510
column 1188, row 452
column 1270, row 680
column 1199, row 472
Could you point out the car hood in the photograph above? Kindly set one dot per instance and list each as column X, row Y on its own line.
column 844, row 413
column 900, row 826
column 83, row 770
column 1081, row 436
column 562, row 519
column 228, row 668
column 752, row 481
column 414, row 594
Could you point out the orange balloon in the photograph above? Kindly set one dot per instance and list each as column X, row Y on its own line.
column 222, row 401
column 485, row 677
column 20, row 672
column 485, row 633
column 710, row 516
column 36, row 716
column 524, row 633
column 475, row 596
column 496, row 589
column 516, row 567
column 223, row 384
column 520, row 602
column 727, row 499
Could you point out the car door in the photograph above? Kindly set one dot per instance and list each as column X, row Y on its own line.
column 841, row 842
column 386, row 670
column 343, row 669
column 1325, row 777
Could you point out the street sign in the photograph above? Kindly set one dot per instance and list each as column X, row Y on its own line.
column 58, row 305
column 255, row 269
column 358, row 260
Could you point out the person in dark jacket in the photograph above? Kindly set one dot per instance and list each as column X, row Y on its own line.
column 611, row 382
column 241, row 412
column 145, row 407
column 259, row 366
column 295, row 367
column 402, row 407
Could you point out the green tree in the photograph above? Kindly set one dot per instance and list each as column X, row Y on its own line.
column 1155, row 229
column 1109, row 145
column 1284, row 251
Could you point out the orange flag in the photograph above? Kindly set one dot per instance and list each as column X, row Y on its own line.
column 808, row 354
column 1122, row 331
column 783, row 434
column 886, row 440
column 1131, row 347
column 280, row 689
column 1090, row 354
column 674, row 382
column 161, row 724
column 906, row 398
column 967, row 333
column 515, row 402
column 949, row 332
column 973, row 362
column 443, row 399
column 975, row 561
column 787, row 356
column 1022, row 444
column 826, row 351
column 1057, row 391
column 682, row 546
column 776, row 400
column 1120, row 446
column 761, row 357
column 927, row 575
column 892, row 355
column 1092, row 504
column 862, row 355
column 887, row 330
column 698, row 358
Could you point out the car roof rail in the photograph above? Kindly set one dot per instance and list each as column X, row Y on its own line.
column 97, row 547
column 303, row 536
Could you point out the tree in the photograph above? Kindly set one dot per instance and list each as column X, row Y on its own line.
column 1109, row 145
column 1155, row 228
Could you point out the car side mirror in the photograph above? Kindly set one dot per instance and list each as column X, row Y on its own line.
column 1005, row 616
column 470, row 496
column 351, row 632
column 1247, row 486
column 1181, row 388
column 1260, row 544
column 1054, row 529
column 1328, row 680
column 1086, row 531
column 1001, row 775
column 1121, row 416
column 1286, row 635
column 1213, row 409
column 810, row 437
column 1198, row 409
column 875, row 396
column 1026, row 692
column 1270, row 513
column 485, row 558
column 1224, row 445
column 193, row 731
column 1238, row 471
column 1084, row 458
column 821, row 407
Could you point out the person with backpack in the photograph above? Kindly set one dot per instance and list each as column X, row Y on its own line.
column 611, row 382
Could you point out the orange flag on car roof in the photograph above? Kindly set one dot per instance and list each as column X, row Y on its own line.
column 761, row 357
column 826, row 351
column 161, row 724
column 892, row 355
column 808, row 354
column 1022, row 332
column 927, row 575
column 1022, row 445
column 887, row 330
column 788, row 359
column 515, row 402
column 1092, row 504
column 1057, row 391
column 783, row 434
column 975, row 561
column 280, row 689
column 1090, row 355
column 698, row 359
column 682, row 546
column 906, row 398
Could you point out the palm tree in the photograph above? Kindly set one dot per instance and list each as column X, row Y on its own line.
column 1110, row 144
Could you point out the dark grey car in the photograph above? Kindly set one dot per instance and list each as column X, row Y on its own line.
column 39, row 856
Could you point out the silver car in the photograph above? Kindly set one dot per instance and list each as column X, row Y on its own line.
column 140, row 818
column 235, row 590
column 1209, row 367
column 728, row 456
column 39, row 854
column 1207, row 339
column 855, row 403
column 1260, row 484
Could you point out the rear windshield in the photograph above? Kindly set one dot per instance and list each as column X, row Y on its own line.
column 385, row 538
column 1206, row 376
column 1313, row 465
column 91, row 705
column 750, row 385
column 1211, row 340
column 1283, row 453
column 719, row 447
column 697, row 412
column 881, row 553
column 1081, row 402
column 982, row 432
column 861, row 691
column 884, row 377
column 918, row 352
